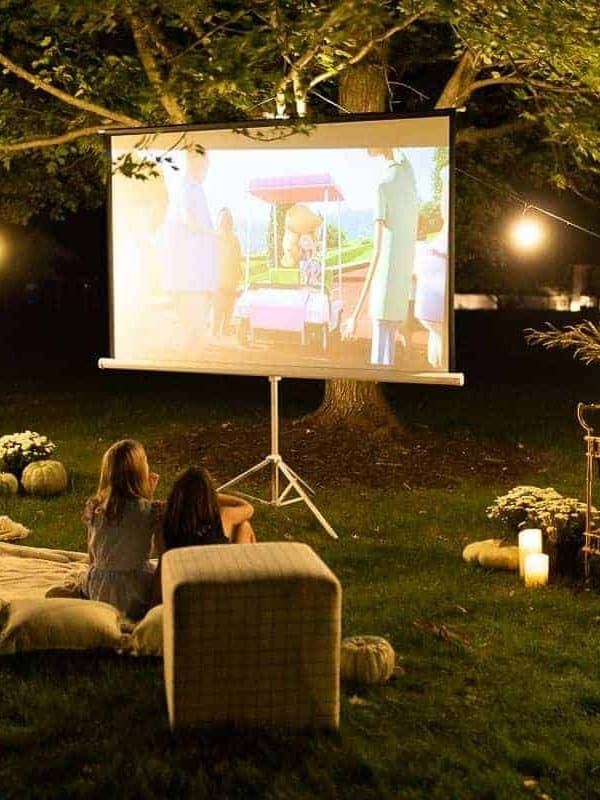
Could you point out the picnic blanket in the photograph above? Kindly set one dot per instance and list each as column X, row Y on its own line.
column 28, row 572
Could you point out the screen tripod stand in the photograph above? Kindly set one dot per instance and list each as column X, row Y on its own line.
column 284, row 481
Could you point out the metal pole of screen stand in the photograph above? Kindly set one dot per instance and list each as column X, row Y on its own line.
column 274, row 461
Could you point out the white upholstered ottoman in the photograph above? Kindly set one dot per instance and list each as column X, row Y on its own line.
column 251, row 636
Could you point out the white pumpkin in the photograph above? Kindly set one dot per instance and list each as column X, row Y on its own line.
column 471, row 551
column 44, row 478
column 367, row 659
column 491, row 553
column 8, row 484
column 494, row 557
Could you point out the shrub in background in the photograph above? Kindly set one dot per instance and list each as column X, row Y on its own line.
column 561, row 519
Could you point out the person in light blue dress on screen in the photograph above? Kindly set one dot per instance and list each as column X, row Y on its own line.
column 389, row 274
column 187, row 243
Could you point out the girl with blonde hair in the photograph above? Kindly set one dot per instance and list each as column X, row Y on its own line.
column 122, row 519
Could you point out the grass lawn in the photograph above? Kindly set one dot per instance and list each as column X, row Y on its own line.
column 515, row 714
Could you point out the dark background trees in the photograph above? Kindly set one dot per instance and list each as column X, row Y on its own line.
column 524, row 77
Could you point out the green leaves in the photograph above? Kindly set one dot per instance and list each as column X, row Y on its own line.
column 226, row 61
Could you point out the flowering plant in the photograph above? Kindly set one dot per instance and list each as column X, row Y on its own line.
column 19, row 449
column 560, row 518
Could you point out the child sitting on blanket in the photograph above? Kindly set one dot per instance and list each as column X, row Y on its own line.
column 122, row 520
column 197, row 515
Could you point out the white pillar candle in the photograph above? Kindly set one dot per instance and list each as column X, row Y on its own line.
column 536, row 569
column 530, row 541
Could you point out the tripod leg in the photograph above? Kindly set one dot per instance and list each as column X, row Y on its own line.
column 299, row 479
column 238, row 478
column 285, row 470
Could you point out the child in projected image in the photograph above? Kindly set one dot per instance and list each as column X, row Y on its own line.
column 121, row 520
column 229, row 260
column 310, row 266
column 197, row 515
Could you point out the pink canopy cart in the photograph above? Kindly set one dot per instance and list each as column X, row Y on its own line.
column 311, row 311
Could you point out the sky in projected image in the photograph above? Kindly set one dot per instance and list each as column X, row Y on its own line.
column 303, row 256
column 353, row 171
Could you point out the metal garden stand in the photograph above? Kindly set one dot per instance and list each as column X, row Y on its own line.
column 591, row 541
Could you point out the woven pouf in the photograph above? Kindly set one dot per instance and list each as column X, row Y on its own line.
column 251, row 636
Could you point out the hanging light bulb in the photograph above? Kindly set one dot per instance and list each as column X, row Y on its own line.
column 527, row 233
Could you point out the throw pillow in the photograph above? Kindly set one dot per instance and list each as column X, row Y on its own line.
column 147, row 637
column 57, row 624
column 10, row 530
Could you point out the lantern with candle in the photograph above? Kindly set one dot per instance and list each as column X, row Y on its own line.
column 530, row 542
column 536, row 569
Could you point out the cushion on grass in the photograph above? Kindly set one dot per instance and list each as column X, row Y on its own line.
column 57, row 624
column 147, row 637
column 10, row 530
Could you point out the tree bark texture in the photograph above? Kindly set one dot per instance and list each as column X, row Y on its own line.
column 359, row 404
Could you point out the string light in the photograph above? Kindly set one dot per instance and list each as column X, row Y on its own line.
column 527, row 233
column 528, row 230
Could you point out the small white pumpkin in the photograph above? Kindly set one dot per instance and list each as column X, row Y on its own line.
column 44, row 478
column 8, row 484
column 494, row 557
column 471, row 551
column 367, row 659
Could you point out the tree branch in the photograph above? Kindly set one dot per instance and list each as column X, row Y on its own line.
column 205, row 36
column 51, row 141
column 364, row 51
column 64, row 97
column 458, row 83
column 141, row 38
column 474, row 135
column 514, row 80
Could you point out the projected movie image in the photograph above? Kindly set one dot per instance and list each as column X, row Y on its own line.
column 300, row 253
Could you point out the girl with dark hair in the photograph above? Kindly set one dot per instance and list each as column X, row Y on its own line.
column 196, row 514
column 192, row 515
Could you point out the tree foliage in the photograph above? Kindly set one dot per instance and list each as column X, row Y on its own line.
column 583, row 339
column 526, row 74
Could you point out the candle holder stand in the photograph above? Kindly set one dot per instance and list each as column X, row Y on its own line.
column 591, row 536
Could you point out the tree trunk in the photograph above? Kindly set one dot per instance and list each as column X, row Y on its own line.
column 362, row 89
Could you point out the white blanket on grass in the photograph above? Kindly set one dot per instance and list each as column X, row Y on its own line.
column 31, row 571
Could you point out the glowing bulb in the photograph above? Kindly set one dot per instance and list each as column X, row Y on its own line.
column 527, row 233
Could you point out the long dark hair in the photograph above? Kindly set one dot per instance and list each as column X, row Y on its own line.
column 191, row 507
column 124, row 475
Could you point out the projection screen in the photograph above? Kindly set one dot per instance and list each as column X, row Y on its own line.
column 320, row 253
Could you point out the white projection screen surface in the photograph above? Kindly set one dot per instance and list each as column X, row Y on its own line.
column 259, row 250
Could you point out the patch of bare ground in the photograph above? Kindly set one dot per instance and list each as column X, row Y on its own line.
column 412, row 458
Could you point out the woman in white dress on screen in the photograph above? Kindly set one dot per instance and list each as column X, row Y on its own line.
column 431, row 270
column 187, row 243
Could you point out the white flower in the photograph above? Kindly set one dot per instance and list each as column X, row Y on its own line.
column 560, row 517
column 19, row 449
